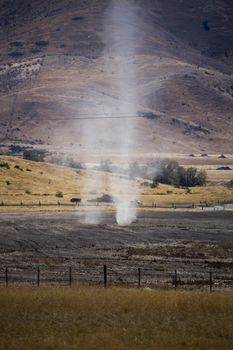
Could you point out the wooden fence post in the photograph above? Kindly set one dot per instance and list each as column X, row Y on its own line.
column 105, row 276
column 38, row 277
column 139, row 277
column 211, row 282
column 6, row 276
column 175, row 279
column 70, row 276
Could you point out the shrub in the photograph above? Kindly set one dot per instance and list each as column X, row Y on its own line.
column 5, row 165
column 42, row 43
column 66, row 162
column 155, row 184
column 59, row 194
column 172, row 173
column 34, row 155
column 230, row 184
column 73, row 164
column 149, row 115
column 78, row 18
column 16, row 54
column 106, row 198
column 16, row 149
column 206, row 25
column 18, row 167
column 222, row 156
column 105, row 166
column 17, row 43
column 35, row 50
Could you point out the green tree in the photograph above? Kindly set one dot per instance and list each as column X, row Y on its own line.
column 35, row 155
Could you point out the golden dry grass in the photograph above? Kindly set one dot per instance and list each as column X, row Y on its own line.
column 94, row 318
column 39, row 182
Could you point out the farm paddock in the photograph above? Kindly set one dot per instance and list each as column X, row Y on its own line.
column 192, row 243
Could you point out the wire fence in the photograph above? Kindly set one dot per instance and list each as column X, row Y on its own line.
column 105, row 276
column 158, row 205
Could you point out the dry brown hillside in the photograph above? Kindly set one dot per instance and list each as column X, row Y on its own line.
column 53, row 68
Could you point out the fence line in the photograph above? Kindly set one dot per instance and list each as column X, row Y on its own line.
column 138, row 277
column 201, row 205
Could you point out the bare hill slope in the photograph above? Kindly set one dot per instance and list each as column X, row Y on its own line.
column 54, row 67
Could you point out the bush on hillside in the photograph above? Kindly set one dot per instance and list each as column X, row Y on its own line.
column 34, row 155
column 4, row 165
column 230, row 184
column 59, row 194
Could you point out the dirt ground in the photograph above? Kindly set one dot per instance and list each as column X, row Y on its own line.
column 193, row 243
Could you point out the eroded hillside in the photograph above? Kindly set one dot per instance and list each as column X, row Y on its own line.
column 55, row 67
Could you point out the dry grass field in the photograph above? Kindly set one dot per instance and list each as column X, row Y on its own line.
column 114, row 319
column 32, row 183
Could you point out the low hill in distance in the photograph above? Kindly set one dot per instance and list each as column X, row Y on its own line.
column 37, row 185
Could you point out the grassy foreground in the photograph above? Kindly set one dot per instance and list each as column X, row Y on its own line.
column 94, row 318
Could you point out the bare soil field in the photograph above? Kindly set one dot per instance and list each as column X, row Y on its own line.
column 193, row 243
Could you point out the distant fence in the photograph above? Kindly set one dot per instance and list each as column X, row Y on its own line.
column 104, row 276
column 201, row 205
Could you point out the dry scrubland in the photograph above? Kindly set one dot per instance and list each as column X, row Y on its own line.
column 94, row 318
column 183, row 74
column 32, row 182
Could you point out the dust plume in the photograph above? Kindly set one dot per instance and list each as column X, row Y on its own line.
column 121, row 21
